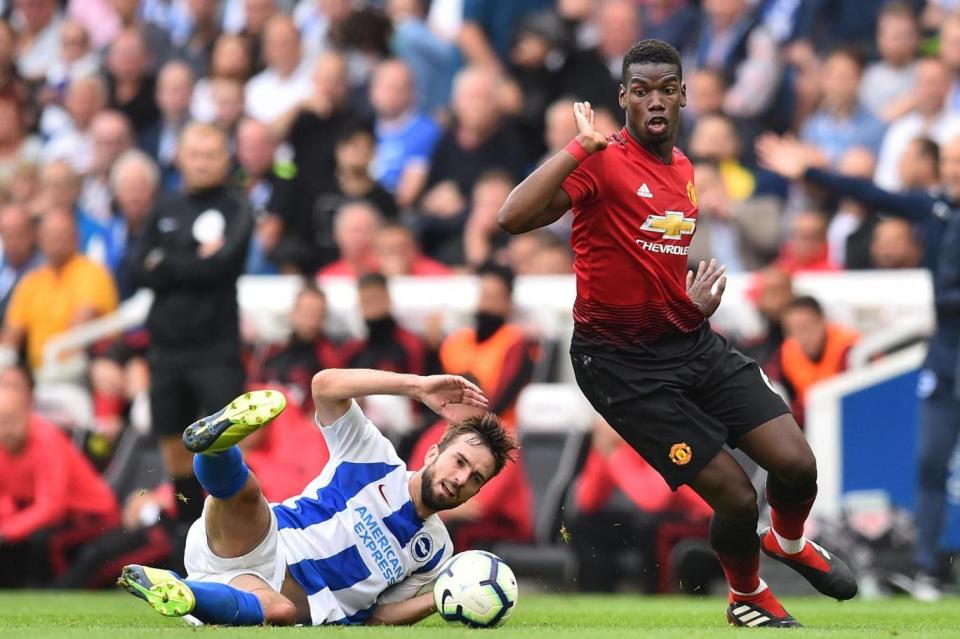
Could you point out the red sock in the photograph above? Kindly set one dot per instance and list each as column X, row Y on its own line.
column 788, row 517
column 743, row 573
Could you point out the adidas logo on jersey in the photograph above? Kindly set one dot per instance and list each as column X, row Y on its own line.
column 644, row 191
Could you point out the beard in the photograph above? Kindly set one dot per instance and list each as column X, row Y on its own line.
column 430, row 497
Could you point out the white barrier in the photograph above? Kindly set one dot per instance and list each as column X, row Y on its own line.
column 868, row 300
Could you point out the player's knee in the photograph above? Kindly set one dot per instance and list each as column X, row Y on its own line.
column 801, row 470
column 740, row 504
column 279, row 611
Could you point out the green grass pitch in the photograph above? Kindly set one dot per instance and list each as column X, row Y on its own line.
column 71, row 615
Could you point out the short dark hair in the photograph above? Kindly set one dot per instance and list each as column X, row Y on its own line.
column 805, row 302
column 372, row 279
column 929, row 149
column 485, row 430
column 900, row 9
column 851, row 52
column 502, row 273
column 351, row 131
column 651, row 51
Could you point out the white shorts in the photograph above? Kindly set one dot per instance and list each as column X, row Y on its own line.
column 266, row 561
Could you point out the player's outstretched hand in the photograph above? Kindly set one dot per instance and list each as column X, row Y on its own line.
column 590, row 139
column 451, row 396
column 700, row 286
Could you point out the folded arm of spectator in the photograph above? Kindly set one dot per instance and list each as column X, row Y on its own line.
column 212, row 262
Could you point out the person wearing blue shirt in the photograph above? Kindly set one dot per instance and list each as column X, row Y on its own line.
column 405, row 137
column 842, row 123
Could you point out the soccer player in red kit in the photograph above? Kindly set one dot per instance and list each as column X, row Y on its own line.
column 643, row 351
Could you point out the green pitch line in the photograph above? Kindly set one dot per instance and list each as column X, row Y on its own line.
column 111, row 615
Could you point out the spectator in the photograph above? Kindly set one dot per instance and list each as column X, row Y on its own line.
column 851, row 227
column 66, row 291
column 594, row 75
column 61, row 188
column 522, row 250
column 267, row 184
column 919, row 165
column 841, row 122
column 715, row 139
column 895, row 245
column 191, row 254
column 553, row 258
column 488, row 26
column 16, row 145
column 483, row 239
column 135, row 182
column 494, row 352
column 806, row 247
column 706, row 89
column 741, row 235
column 173, row 17
column 204, row 16
column 431, row 54
column 130, row 85
column 669, row 20
column 20, row 254
column 732, row 39
column 885, row 88
column 285, row 83
column 605, row 525
column 230, row 61
column 388, row 346
column 399, row 253
column 157, row 39
column 405, row 136
column 355, row 225
column 949, row 53
column 51, row 498
column 307, row 350
column 478, row 141
column 771, row 290
column 559, row 126
column 69, row 131
column 256, row 15
column 111, row 135
column 813, row 350
column 227, row 97
column 38, row 42
column 76, row 60
column 930, row 118
column 159, row 140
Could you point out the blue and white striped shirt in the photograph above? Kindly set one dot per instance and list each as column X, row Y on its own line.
column 353, row 539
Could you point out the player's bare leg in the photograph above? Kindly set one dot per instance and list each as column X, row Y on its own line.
column 236, row 521
column 780, row 447
column 733, row 536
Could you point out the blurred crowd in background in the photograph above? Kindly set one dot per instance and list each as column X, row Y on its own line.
column 377, row 139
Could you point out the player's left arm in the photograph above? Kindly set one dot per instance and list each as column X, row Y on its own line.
column 700, row 286
column 403, row 613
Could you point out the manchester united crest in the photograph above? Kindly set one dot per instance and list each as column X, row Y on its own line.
column 692, row 193
column 680, row 454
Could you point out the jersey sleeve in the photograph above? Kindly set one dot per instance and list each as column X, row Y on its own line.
column 354, row 437
column 582, row 184
column 422, row 578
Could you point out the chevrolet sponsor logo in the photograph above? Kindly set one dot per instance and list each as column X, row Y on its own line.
column 673, row 225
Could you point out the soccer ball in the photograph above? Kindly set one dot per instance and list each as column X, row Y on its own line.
column 475, row 589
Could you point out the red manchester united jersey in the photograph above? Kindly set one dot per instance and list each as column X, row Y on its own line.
column 633, row 220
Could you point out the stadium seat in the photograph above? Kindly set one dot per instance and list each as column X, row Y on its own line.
column 553, row 422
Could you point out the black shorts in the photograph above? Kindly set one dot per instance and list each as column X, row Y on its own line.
column 182, row 392
column 679, row 409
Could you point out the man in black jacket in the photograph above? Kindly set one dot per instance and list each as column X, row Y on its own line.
column 191, row 254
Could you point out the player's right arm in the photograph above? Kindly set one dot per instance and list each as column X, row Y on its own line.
column 448, row 395
column 539, row 200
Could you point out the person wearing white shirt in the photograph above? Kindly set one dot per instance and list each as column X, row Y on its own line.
column 287, row 79
column 930, row 118
column 38, row 42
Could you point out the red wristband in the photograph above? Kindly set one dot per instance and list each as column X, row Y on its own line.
column 576, row 149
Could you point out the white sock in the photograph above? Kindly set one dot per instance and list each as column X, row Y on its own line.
column 789, row 546
column 760, row 588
